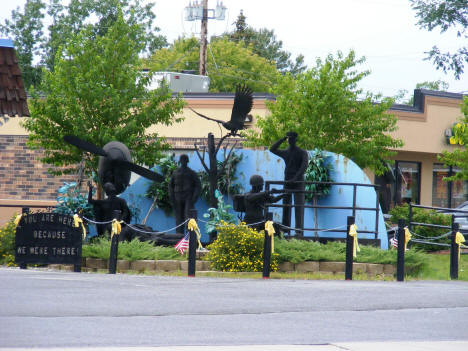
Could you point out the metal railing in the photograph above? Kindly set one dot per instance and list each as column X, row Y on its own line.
column 353, row 208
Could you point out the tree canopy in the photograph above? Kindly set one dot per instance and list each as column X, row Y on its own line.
column 264, row 43
column 459, row 157
column 98, row 93
column 27, row 30
column 436, row 85
column 228, row 63
column 329, row 112
column 444, row 15
column 31, row 40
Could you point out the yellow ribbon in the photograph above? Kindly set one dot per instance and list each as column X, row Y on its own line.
column 116, row 227
column 270, row 229
column 18, row 219
column 193, row 226
column 459, row 240
column 77, row 221
column 407, row 236
column 353, row 233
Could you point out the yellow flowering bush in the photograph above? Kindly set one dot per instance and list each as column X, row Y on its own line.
column 7, row 243
column 238, row 248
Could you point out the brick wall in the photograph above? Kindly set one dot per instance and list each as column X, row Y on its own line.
column 22, row 175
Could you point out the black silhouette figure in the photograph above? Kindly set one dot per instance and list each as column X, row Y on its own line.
column 104, row 209
column 296, row 160
column 184, row 189
column 243, row 102
column 254, row 203
column 115, row 163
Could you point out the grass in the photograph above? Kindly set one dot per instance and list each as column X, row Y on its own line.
column 438, row 268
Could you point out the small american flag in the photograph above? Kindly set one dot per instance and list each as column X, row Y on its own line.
column 394, row 242
column 183, row 244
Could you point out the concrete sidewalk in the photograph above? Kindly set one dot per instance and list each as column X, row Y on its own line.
column 350, row 346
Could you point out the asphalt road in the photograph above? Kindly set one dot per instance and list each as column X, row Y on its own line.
column 63, row 309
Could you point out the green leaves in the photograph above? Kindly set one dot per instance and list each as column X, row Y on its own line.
column 444, row 15
column 329, row 112
column 97, row 92
column 228, row 63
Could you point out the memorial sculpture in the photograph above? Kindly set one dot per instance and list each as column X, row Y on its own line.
column 184, row 190
column 296, row 160
column 255, row 200
column 114, row 170
column 104, row 209
column 243, row 101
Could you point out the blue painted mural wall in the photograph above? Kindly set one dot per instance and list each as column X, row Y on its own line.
column 271, row 167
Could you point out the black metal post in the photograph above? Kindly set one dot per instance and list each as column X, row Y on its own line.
column 354, row 199
column 377, row 206
column 267, row 251
column 401, row 251
column 349, row 251
column 454, row 247
column 114, row 249
column 192, row 251
column 24, row 210
column 410, row 217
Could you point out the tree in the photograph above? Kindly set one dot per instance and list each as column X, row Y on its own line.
column 437, row 85
column 97, row 92
column 70, row 19
column 445, row 15
column 459, row 157
column 324, row 106
column 228, row 63
column 265, row 44
column 26, row 29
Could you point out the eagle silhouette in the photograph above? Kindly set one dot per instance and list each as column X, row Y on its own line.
column 243, row 101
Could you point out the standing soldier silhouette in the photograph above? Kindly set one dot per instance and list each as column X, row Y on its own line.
column 296, row 161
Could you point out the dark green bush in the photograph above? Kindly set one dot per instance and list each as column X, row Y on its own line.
column 7, row 243
column 296, row 251
column 131, row 251
column 421, row 215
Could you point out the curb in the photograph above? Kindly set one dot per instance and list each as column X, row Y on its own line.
column 159, row 266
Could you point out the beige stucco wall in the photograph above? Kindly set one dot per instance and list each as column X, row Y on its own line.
column 424, row 132
column 194, row 126
column 12, row 126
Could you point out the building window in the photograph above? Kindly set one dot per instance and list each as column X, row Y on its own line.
column 440, row 193
column 407, row 182
column 447, row 194
column 401, row 184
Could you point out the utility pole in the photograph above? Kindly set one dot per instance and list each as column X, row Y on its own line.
column 204, row 39
column 200, row 11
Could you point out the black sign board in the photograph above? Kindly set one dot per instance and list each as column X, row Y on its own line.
column 48, row 238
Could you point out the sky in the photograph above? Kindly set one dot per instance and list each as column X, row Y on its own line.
column 385, row 32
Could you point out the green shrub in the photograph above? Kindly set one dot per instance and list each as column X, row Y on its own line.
column 7, row 243
column 421, row 215
column 160, row 190
column 296, row 251
column 218, row 214
column 131, row 251
column 238, row 248
column 71, row 201
column 317, row 171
